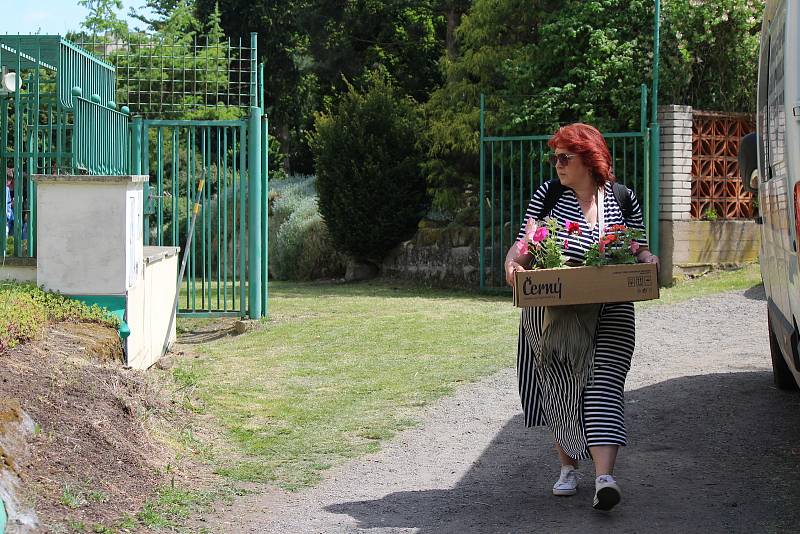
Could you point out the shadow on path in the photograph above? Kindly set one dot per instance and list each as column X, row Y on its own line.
column 757, row 292
column 710, row 453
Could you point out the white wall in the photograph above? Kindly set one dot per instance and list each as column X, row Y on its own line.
column 84, row 226
column 150, row 307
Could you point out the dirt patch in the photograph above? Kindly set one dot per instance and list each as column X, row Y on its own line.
column 91, row 458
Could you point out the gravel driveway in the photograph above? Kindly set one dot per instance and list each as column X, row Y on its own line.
column 714, row 447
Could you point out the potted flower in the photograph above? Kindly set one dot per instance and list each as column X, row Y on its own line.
column 542, row 242
column 617, row 246
column 610, row 272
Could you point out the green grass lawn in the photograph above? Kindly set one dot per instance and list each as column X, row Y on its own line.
column 337, row 369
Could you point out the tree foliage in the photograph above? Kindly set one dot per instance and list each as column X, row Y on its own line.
column 102, row 18
column 371, row 188
column 540, row 63
column 311, row 46
column 710, row 53
column 545, row 63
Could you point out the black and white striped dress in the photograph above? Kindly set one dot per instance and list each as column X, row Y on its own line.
column 579, row 416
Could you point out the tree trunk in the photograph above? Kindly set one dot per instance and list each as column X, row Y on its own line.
column 453, row 20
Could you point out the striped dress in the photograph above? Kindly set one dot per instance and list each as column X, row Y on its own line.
column 579, row 416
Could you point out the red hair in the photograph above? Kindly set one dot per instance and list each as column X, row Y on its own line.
column 588, row 144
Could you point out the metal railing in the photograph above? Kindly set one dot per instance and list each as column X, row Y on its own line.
column 37, row 128
column 101, row 139
column 74, row 66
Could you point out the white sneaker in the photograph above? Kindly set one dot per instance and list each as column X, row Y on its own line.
column 567, row 483
column 607, row 493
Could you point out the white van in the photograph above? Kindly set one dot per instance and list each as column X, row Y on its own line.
column 769, row 161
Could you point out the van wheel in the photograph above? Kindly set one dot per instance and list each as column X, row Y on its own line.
column 782, row 376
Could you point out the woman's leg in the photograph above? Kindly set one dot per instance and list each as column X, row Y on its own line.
column 604, row 457
column 564, row 457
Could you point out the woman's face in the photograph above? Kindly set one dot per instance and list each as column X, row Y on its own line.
column 571, row 170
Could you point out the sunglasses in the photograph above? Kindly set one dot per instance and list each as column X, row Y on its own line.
column 563, row 159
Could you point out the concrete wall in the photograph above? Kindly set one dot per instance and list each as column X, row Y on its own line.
column 693, row 246
column 150, row 307
column 18, row 269
column 90, row 244
column 87, row 233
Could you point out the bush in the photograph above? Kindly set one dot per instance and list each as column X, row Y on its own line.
column 300, row 247
column 25, row 309
column 372, row 193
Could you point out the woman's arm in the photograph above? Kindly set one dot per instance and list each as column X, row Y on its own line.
column 515, row 262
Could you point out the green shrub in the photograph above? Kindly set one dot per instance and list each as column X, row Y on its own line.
column 300, row 247
column 371, row 189
column 25, row 309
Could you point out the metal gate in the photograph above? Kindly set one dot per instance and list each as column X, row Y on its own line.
column 513, row 167
column 224, row 274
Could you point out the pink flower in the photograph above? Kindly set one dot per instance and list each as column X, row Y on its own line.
column 602, row 247
column 566, row 244
column 521, row 246
column 540, row 235
column 530, row 229
column 634, row 247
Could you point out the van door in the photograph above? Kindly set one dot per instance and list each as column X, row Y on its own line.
column 775, row 194
column 792, row 155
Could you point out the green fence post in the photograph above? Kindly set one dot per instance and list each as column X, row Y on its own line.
column 265, row 216
column 645, row 159
column 254, row 207
column 481, row 200
column 655, row 167
column 264, row 194
column 136, row 146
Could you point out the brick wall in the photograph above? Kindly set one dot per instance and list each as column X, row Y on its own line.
column 676, row 162
column 690, row 246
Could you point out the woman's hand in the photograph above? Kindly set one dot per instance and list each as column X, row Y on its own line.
column 512, row 266
column 648, row 257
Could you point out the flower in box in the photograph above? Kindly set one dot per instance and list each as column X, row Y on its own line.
column 542, row 242
column 617, row 246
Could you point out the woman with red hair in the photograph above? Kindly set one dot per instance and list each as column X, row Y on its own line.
column 580, row 398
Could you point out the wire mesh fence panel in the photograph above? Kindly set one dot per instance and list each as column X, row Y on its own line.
column 182, row 78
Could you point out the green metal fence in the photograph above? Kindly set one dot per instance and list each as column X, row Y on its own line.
column 62, row 118
column 178, row 154
column 38, row 122
column 513, row 167
column 226, row 272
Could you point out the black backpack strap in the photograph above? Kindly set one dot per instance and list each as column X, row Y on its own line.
column 623, row 196
column 554, row 191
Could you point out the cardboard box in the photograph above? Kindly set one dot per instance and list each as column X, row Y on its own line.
column 586, row 285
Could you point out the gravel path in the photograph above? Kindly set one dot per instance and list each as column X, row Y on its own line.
column 714, row 447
